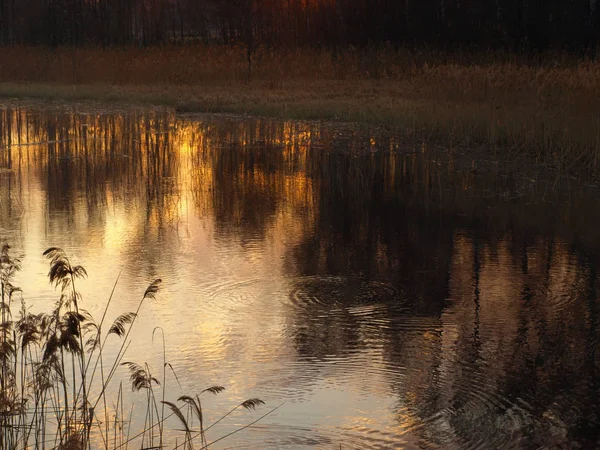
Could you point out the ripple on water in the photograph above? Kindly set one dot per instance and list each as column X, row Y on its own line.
column 463, row 408
column 341, row 329
column 356, row 294
column 357, row 297
column 232, row 293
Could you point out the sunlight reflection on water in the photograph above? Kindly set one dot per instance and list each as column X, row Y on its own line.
column 390, row 296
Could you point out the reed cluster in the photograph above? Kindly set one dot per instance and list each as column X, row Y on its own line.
column 54, row 379
column 201, row 64
column 547, row 108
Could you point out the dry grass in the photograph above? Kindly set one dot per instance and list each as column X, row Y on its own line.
column 549, row 110
column 48, row 363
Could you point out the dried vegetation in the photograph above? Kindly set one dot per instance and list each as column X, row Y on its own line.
column 55, row 380
column 547, row 107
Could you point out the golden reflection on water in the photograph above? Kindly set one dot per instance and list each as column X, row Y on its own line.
column 392, row 298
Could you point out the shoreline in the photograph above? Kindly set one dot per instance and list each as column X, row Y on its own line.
column 551, row 131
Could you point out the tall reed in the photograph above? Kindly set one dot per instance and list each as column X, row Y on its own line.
column 547, row 108
column 48, row 363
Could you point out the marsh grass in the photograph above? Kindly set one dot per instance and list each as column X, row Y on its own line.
column 49, row 361
column 547, row 108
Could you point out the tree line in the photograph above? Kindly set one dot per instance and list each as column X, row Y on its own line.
column 513, row 25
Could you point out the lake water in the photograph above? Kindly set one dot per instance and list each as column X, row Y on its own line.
column 389, row 295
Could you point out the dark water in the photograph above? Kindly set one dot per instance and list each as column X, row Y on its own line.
column 392, row 296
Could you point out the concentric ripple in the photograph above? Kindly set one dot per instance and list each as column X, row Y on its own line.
column 358, row 295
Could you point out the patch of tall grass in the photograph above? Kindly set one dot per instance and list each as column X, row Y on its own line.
column 54, row 377
column 546, row 107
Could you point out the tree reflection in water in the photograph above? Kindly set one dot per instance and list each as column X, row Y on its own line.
column 470, row 298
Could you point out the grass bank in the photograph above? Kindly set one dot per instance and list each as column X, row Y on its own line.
column 549, row 110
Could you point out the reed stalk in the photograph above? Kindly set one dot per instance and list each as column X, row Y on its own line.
column 46, row 371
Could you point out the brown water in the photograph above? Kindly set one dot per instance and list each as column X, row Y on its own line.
column 392, row 296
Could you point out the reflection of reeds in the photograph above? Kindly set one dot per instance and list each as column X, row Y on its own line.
column 548, row 110
column 48, row 396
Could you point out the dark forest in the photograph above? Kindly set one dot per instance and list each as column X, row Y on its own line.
column 517, row 26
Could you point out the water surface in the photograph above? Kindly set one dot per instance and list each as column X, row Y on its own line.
column 393, row 296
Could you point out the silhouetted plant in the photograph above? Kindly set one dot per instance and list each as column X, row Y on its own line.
column 47, row 375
